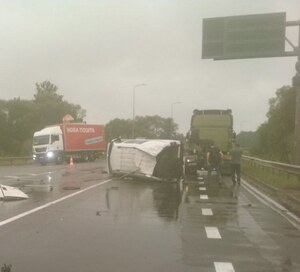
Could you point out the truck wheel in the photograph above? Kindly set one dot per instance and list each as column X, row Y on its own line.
column 85, row 157
column 59, row 159
column 92, row 157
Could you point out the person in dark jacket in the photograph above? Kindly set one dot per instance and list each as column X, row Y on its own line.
column 214, row 159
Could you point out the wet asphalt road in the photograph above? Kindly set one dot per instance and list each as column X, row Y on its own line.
column 133, row 225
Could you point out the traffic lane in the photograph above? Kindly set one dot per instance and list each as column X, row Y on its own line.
column 14, row 172
column 280, row 235
column 136, row 225
column 128, row 225
column 250, row 235
column 45, row 184
column 22, row 174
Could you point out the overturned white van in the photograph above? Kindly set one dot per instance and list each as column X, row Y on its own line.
column 151, row 159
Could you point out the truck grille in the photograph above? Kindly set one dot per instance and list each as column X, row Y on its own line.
column 40, row 149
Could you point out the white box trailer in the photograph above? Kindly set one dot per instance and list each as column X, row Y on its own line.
column 60, row 142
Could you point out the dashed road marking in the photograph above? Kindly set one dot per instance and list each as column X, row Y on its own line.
column 223, row 267
column 202, row 188
column 203, row 196
column 212, row 233
column 206, row 211
column 13, row 177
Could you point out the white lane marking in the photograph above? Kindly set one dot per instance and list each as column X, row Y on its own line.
column 28, row 174
column 207, row 211
column 201, row 182
column 203, row 196
column 272, row 204
column 212, row 233
column 223, row 267
column 14, row 218
column 202, row 188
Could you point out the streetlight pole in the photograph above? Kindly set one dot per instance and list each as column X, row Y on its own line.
column 171, row 121
column 174, row 103
column 133, row 106
column 296, row 85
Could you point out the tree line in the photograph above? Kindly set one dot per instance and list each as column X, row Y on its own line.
column 274, row 139
column 19, row 119
column 149, row 127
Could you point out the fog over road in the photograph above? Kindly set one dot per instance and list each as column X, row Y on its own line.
column 135, row 225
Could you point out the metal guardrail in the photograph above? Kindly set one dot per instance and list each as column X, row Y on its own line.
column 288, row 169
column 15, row 160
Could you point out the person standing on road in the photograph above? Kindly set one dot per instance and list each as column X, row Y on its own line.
column 236, row 156
column 214, row 158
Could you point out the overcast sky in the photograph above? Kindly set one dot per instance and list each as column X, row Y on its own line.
column 96, row 52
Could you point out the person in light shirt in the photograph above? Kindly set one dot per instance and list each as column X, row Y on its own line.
column 236, row 156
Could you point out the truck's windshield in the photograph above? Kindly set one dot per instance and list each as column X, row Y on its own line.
column 41, row 140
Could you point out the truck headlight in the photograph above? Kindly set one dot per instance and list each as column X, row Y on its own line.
column 50, row 154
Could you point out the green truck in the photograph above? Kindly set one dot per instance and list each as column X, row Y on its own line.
column 209, row 127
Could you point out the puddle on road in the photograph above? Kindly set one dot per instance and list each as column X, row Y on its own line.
column 39, row 187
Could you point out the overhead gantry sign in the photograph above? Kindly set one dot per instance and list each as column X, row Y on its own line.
column 253, row 36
